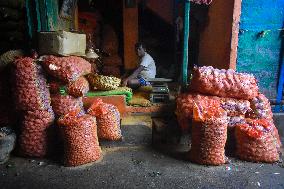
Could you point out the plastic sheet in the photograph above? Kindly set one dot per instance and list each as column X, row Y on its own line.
column 66, row 69
column 108, row 119
column 79, row 87
column 81, row 144
column 256, row 141
column 63, row 104
column 34, row 138
column 224, row 83
column 209, row 133
column 31, row 91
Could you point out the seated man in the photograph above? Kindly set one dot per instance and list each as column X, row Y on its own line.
column 145, row 70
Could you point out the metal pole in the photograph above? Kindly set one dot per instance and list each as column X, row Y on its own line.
column 185, row 44
column 279, row 97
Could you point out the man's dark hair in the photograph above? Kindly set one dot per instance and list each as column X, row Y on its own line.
column 140, row 44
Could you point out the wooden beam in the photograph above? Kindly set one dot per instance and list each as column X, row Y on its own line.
column 219, row 40
column 130, row 36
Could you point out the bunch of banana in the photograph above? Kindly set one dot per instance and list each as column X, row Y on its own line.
column 105, row 83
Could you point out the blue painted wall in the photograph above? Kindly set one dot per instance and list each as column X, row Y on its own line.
column 260, row 42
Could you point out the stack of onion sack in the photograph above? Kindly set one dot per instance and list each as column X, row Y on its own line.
column 66, row 69
column 30, row 84
column 81, row 144
column 261, row 108
column 209, row 132
column 76, row 88
column 79, row 87
column 256, row 141
column 55, row 86
column 32, row 97
column 184, row 103
column 224, row 83
column 108, row 119
column 63, row 104
column 184, row 110
column 36, row 133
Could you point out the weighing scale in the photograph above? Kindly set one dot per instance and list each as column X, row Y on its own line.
column 160, row 90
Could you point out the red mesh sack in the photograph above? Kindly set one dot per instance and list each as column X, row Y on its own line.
column 235, row 107
column 209, row 132
column 110, row 40
column 113, row 60
column 256, row 141
column 34, row 137
column 81, row 145
column 261, row 108
column 224, row 83
column 184, row 110
column 108, row 119
column 66, row 69
column 63, row 104
column 79, row 87
column 54, row 86
column 31, row 91
column 111, row 71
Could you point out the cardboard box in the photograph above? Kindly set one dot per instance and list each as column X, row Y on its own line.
column 61, row 43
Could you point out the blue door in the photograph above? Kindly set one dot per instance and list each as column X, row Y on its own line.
column 259, row 49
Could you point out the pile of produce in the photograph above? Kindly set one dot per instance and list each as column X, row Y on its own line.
column 224, row 83
column 81, row 145
column 32, row 99
column 104, row 83
column 256, row 141
column 63, row 104
column 49, row 107
column 209, row 132
column 66, row 69
column 237, row 95
column 79, row 87
column 108, row 119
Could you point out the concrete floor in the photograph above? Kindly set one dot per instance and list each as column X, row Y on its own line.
column 134, row 163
